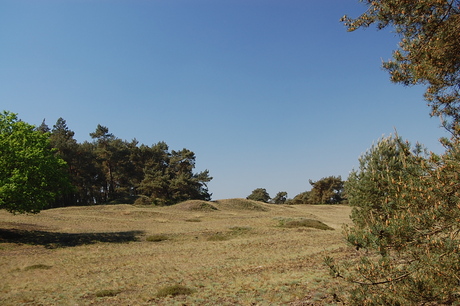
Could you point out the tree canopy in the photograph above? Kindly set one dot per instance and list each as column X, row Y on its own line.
column 31, row 174
column 259, row 194
column 429, row 49
column 327, row 190
column 109, row 169
column 280, row 198
column 43, row 168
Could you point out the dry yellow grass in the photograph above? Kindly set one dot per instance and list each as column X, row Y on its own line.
column 229, row 252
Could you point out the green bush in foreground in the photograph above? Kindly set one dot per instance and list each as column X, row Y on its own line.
column 406, row 216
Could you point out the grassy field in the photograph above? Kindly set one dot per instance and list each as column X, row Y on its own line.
column 228, row 252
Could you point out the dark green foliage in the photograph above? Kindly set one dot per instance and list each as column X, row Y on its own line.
column 110, row 170
column 406, row 217
column 301, row 198
column 143, row 200
column 168, row 177
column 174, row 290
column 328, row 190
column 31, row 175
column 259, row 194
column 42, row 169
column 280, row 198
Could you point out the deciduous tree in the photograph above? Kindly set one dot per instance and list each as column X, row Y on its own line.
column 31, row 174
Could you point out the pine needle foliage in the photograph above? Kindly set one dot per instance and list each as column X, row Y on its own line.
column 406, row 216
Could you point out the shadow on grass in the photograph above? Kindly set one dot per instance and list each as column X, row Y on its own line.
column 60, row 240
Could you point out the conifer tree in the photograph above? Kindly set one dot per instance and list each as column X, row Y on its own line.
column 405, row 226
column 259, row 194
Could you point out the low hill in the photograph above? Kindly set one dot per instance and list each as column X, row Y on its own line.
column 195, row 205
column 242, row 204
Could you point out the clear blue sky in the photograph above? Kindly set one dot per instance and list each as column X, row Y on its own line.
column 266, row 93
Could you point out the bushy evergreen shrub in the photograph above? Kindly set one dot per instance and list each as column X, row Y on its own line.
column 406, row 216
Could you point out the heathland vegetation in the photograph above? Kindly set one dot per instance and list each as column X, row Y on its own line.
column 403, row 236
column 226, row 252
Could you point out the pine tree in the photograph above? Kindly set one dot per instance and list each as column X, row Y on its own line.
column 405, row 226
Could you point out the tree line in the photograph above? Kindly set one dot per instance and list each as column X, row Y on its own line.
column 105, row 170
column 328, row 190
column 110, row 169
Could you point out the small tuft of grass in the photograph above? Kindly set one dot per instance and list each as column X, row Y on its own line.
column 193, row 220
column 36, row 267
column 239, row 230
column 174, row 290
column 218, row 237
column 294, row 223
column 107, row 292
column 156, row 238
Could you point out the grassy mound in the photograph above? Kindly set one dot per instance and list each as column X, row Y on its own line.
column 301, row 222
column 196, row 205
column 242, row 204
column 174, row 290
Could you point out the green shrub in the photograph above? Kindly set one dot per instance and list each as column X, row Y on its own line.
column 174, row 290
column 406, row 222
